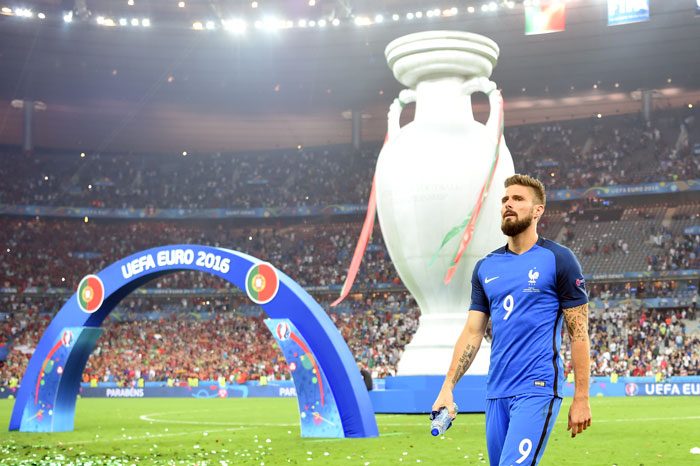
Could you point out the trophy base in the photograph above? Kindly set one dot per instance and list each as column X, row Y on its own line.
column 431, row 349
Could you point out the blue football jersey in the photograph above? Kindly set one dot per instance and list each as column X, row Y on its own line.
column 525, row 295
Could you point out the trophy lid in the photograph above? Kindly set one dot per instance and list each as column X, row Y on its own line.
column 435, row 54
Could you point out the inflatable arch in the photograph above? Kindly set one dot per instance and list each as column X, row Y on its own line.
column 326, row 375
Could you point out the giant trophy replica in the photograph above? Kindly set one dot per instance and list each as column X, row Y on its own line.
column 439, row 182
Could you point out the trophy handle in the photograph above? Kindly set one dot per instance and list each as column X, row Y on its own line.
column 495, row 125
column 488, row 87
column 405, row 97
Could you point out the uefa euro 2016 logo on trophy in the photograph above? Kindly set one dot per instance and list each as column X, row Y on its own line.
column 438, row 185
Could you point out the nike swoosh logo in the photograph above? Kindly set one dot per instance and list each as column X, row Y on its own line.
column 489, row 280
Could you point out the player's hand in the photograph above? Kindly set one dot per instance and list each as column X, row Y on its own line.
column 579, row 416
column 445, row 399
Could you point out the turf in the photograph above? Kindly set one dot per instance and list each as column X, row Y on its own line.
column 625, row 431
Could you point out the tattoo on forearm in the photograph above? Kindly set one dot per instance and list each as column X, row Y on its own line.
column 577, row 322
column 465, row 360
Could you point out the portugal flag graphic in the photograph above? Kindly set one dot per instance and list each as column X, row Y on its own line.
column 262, row 283
column 91, row 292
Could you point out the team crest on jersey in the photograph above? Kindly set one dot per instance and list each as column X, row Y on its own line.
column 532, row 276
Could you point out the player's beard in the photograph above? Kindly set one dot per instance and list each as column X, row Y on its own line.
column 515, row 227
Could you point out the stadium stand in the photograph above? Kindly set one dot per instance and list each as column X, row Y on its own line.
column 43, row 258
column 566, row 155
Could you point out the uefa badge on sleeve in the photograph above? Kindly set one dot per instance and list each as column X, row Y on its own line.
column 91, row 293
column 262, row 283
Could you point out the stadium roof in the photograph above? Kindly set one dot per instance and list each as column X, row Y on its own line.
column 150, row 88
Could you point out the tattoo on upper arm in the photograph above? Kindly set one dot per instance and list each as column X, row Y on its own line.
column 577, row 322
column 465, row 360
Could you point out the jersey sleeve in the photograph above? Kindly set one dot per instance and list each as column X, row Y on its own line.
column 479, row 300
column 571, row 287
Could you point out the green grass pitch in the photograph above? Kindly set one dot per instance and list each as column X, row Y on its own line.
column 265, row 432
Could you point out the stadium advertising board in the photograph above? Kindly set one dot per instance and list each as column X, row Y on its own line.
column 649, row 303
column 211, row 390
column 124, row 393
column 627, row 11
column 662, row 187
column 663, row 389
column 349, row 209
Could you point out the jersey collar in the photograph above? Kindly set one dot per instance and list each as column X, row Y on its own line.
column 539, row 242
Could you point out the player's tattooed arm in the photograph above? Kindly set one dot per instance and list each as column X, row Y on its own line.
column 577, row 322
column 467, row 346
column 580, row 410
column 465, row 350
column 465, row 360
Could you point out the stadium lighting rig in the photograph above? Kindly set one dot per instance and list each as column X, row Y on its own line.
column 80, row 12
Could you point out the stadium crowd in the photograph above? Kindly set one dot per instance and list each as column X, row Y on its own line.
column 613, row 151
column 674, row 252
column 566, row 155
column 313, row 255
column 179, row 345
column 157, row 339
column 629, row 341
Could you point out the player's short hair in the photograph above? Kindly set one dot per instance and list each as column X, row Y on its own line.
column 532, row 183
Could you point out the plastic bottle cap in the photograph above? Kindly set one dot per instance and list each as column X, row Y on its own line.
column 435, row 432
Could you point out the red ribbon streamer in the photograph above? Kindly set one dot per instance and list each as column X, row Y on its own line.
column 362, row 242
column 361, row 246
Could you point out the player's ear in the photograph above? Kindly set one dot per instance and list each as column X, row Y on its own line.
column 539, row 211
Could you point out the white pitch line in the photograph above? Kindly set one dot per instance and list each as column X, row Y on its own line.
column 240, row 425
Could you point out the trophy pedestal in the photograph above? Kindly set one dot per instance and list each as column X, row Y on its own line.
column 430, row 351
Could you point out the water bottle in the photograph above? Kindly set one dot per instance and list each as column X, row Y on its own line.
column 440, row 421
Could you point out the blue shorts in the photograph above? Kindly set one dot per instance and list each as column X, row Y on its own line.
column 517, row 428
